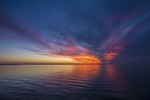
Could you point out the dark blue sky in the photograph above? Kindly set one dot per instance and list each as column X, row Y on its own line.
column 101, row 29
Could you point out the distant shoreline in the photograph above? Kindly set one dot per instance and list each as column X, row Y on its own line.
column 74, row 63
column 52, row 64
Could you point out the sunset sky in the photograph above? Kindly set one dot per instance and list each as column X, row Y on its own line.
column 74, row 31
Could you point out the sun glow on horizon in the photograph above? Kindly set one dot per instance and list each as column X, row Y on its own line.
column 87, row 59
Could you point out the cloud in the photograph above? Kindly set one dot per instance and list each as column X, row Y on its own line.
column 86, row 33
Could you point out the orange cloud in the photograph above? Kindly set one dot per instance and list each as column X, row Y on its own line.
column 87, row 59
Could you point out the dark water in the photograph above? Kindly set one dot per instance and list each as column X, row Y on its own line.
column 75, row 82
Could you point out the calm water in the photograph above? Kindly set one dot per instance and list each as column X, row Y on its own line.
column 75, row 82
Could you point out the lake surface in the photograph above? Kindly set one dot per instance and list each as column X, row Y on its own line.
column 75, row 82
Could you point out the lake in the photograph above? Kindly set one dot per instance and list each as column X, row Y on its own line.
column 75, row 82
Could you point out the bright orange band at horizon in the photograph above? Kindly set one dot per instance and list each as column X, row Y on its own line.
column 87, row 59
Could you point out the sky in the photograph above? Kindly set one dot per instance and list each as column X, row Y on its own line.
column 74, row 31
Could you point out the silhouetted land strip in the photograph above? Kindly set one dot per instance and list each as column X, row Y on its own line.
column 49, row 63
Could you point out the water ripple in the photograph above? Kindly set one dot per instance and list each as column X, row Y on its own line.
column 69, row 82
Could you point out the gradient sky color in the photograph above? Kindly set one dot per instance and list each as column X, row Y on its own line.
column 72, row 31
